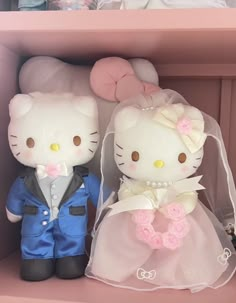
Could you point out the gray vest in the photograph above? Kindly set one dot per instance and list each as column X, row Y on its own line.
column 53, row 190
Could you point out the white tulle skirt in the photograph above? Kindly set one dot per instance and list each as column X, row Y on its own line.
column 206, row 257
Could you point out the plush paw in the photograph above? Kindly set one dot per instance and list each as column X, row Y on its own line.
column 13, row 218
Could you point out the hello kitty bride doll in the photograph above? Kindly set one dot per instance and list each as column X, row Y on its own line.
column 157, row 233
column 53, row 135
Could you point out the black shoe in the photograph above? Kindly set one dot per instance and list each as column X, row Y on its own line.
column 71, row 267
column 37, row 269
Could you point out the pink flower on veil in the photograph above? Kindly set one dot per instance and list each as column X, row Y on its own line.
column 175, row 211
column 144, row 232
column 184, row 126
column 179, row 228
column 143, row 216
column 170, row 241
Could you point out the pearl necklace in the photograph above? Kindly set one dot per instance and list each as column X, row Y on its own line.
column 158, row 184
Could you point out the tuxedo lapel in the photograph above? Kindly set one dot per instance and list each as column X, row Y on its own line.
column 32, row 185
column 75, row 184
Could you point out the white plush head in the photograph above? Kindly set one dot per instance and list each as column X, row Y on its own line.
column 163, row 144
column 49, row 129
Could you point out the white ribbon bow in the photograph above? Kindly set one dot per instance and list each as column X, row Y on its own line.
column 222, row 259
column 152, row 199
column 187, row 121
column 52, row 170
column 143, row 274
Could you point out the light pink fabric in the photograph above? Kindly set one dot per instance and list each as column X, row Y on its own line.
column 114, row 79
column 119, row 254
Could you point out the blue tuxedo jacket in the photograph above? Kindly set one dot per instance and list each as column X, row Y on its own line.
column 27, row 200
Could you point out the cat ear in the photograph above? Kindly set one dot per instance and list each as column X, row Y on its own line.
column 20, row 105
column 86, row 105
column 126, row 118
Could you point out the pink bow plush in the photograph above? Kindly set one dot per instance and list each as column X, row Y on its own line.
column 114, row 79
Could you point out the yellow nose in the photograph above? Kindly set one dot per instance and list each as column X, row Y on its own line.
column 159, row 163
column 55, row 147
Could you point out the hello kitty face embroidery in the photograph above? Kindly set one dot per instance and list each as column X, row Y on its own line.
column 49, row 129
column 159, row 145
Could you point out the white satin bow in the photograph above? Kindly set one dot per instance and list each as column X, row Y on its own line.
column 187, row 121
column 152, row 199
column 52, row 170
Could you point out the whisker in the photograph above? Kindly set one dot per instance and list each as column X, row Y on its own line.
column 195, row 166
column 14, row 145
column 119, row 146
column 119, row 155
column 91, row 150
column 13, row 136
column 199, row 158
column 93, row 133
column 94, row 141
column 121, row 164
column 18, row 154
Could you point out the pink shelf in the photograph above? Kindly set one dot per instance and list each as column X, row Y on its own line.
column 175, row 20
column 165, row 36
column 195, row 53
column 13, row 290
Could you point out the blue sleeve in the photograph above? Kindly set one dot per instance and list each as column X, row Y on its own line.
column 15, row 200
column 93, row 184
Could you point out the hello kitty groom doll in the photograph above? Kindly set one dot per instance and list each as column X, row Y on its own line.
column 52, row 135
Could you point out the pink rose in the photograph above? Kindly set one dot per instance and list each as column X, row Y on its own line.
column 144, row 232
column 184, row 126
column 156, row 241
column 143, row 216
column 175, row 211
column 170, row 241
column 179, row 229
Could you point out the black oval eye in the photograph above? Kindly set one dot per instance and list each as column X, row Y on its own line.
column 135, row 156
column 182, row 158
column 30, row 142
column 77, row 140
